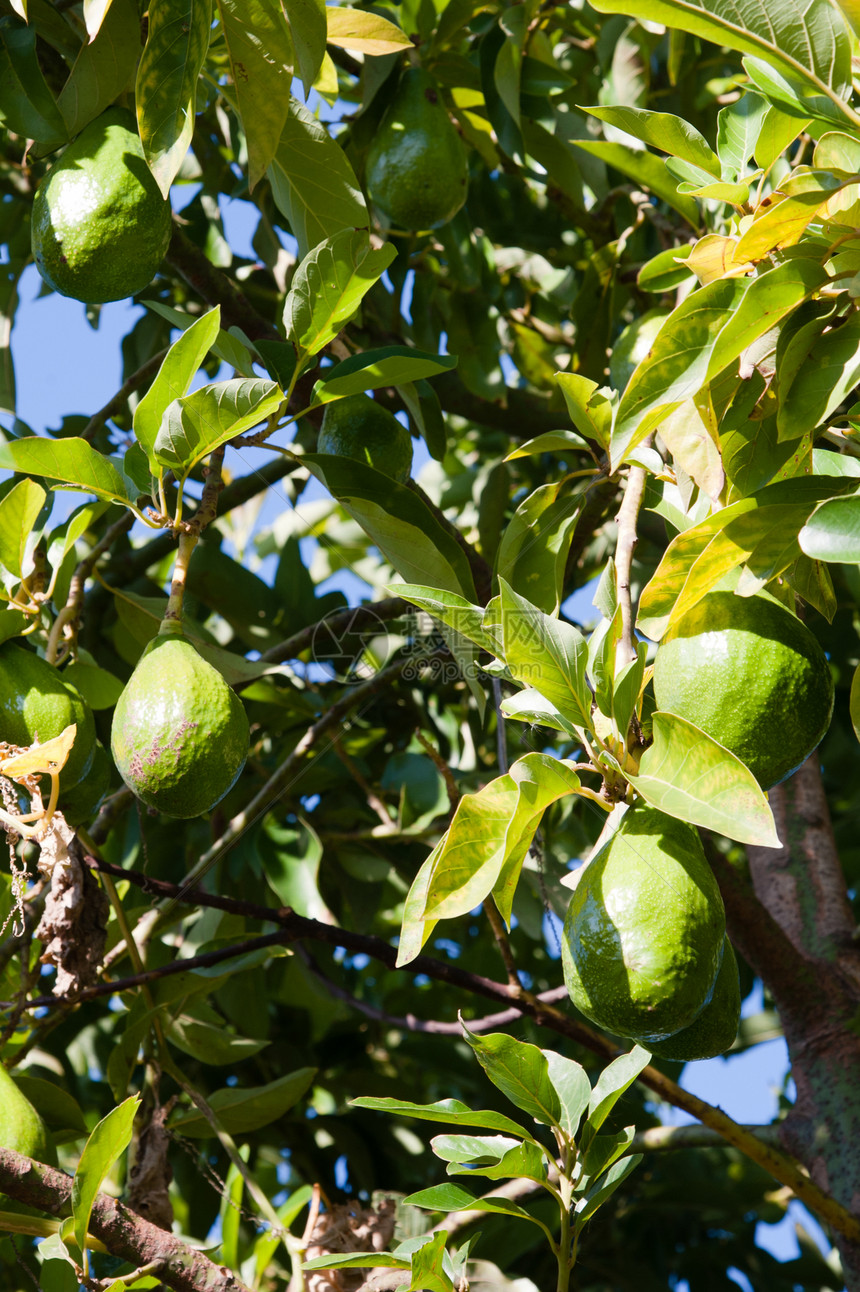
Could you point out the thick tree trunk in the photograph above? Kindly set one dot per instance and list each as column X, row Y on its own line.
column 802, row 888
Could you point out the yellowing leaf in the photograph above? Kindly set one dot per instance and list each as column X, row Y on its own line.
column 365, row 32
column 713, row 257
column 49, row 757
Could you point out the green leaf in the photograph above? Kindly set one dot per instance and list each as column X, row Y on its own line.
column 530, row 706
column 832, row 533
column 709, row 330
column 328, row 287
column 398, row 522
column 106, row 1144
column 73, row 462
column 603, row 1150
column 166, row 89
column 617, row 1173
column 197, row 423
column 546, row 654
column 761, row 530
column 241, row 1109
column 533, row 552
column 100, row 689
column 261, row 60
column 645, row 169
column 612, row 1083
column 688, row 775
column 210, row 1042
column 27, row 105
column 662, row 130
column 570, row 1082
column 357, row 1261
column 313, row 184
column 307, row 19
column 793, row 94
column 450, row 1112
column 665, row 271
column 520, row 1071
column 103, row 67
column 18, row 512
column 485, row 846
column 453, row 1197
column 813, row 45
column 174, row 378
column 738, row 130
column 830, row 373
column 390, row 366
column 228, row 347
column 590, row 409
column 778, row 130
column 450, row 609
column 53, row 1104
column 480, row 1150
column 564, row 442
column 428, row 1273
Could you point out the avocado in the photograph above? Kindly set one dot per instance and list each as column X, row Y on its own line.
column 645, row 929
column 180, row 734
column 100, row 225
column 416, row 167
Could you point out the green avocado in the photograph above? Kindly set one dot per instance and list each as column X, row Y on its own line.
column 357, row 427
column 713, row 1031
column 643, row 938
column 35, row 702
column 23, row 1131
column 416, row 167
column 752, row 676
column 100, row 225
column 180, row 734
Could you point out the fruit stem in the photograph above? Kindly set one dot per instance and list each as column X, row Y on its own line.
column 173, row 613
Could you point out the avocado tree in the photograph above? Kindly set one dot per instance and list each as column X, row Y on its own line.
column 303, row 742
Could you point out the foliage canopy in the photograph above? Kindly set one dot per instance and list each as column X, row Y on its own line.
column 629, row 365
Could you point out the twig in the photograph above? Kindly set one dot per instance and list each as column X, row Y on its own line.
column 128, row 387
column 628, row 515
column 500, row 933
column 353, row 618
column 69, row 614
column 208, row 509
column 367, row 790
column 204, row 960
column 452, row 789
column 213, row 285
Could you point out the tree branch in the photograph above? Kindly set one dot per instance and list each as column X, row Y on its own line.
column 354, row 618
column 213, row 286
column 123, row 1232
column 781, row 1167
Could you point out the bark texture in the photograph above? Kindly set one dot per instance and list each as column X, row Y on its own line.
column 810, row 962
column 123, row 1233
